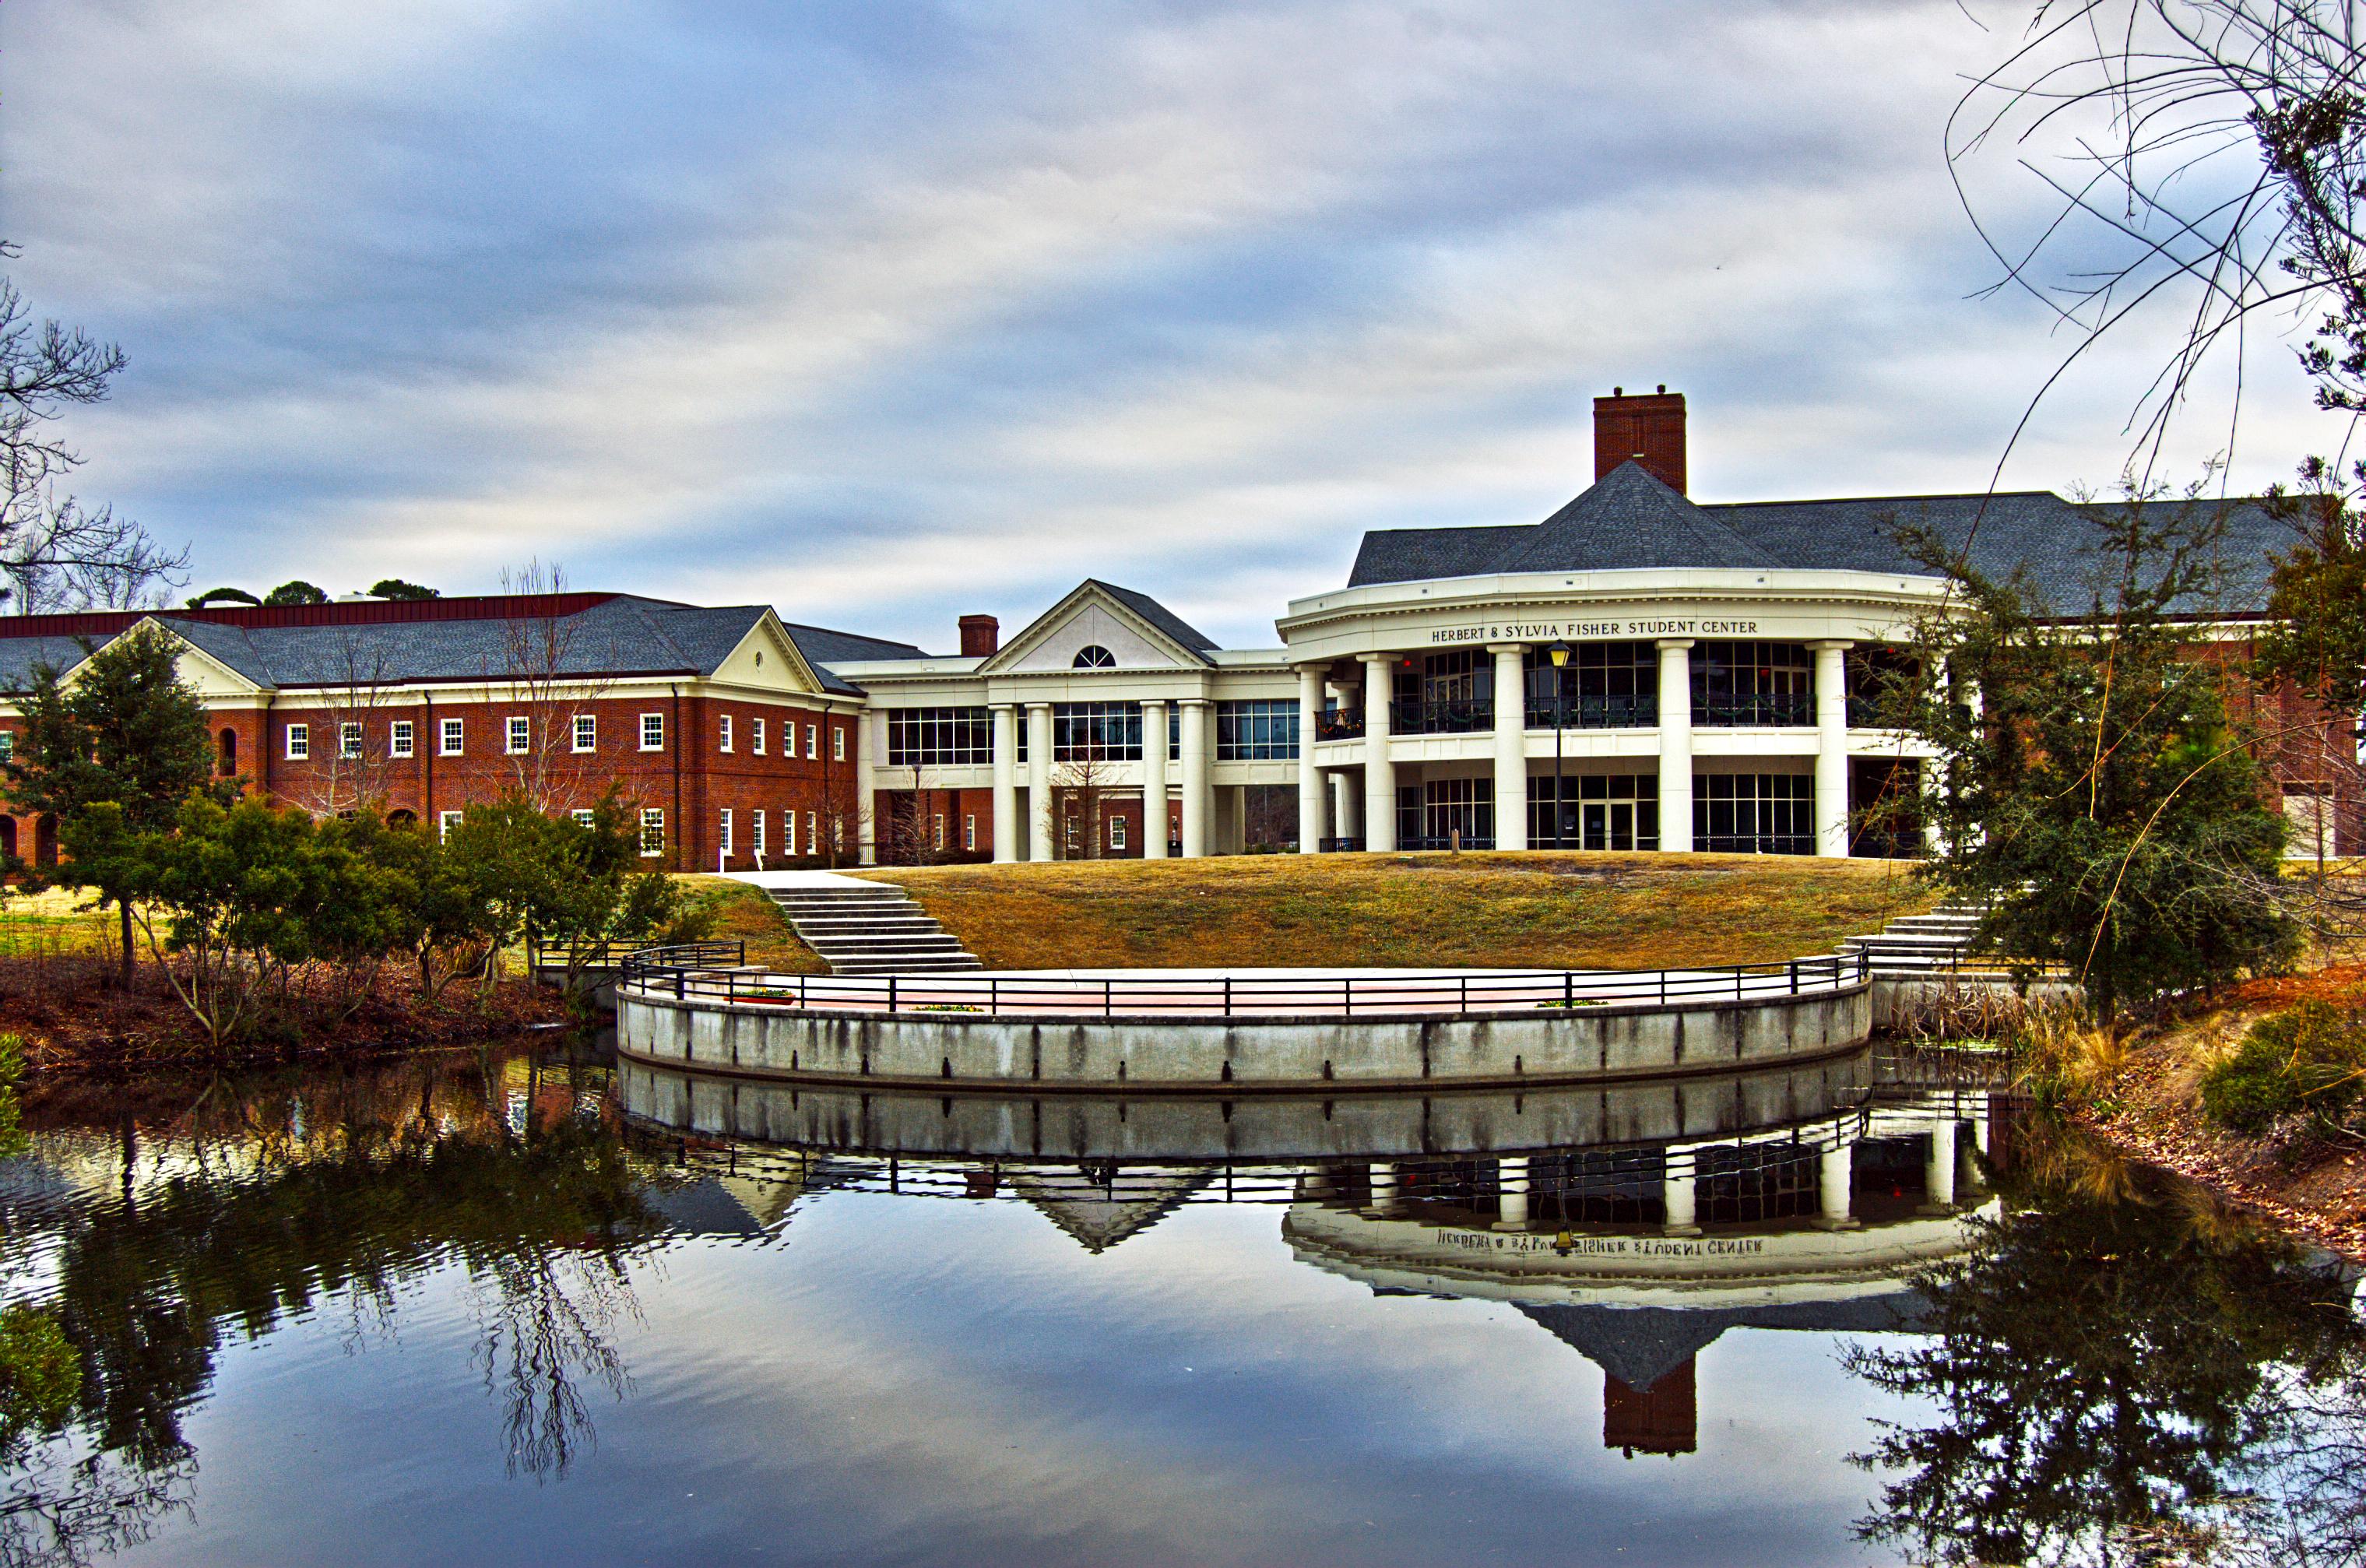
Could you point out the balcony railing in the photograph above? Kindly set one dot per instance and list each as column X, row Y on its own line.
column 1339, row 723
column 1454, row 716
column 1761, row 710
column 1446, row 842
column 1636, row 712
column 1342, row 846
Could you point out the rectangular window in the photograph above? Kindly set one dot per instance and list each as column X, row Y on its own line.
column 969, row 830
column 1752, row 685
column 349, row 740
column 789, row 834
column 1605, row 685
column 517, row 735
column 445, row 822
column 1754, row 814
column 1117, row 832
column 1595, row 811
column 448, row 742
column 838, row 743
column 1097, row 732
column 1456, row 811
column 8, row 744
column 756, row 836
column 583, row 818
column 652, row 732
column 813, row 832
column 586, row 732
column 722, row 832
column 813, row 743
column 1256, row 731
column 299, row 742
column 400, row 739
column 652, row 830
column 723, row 733
column 937, row 829
column 940, row 737
column 756, row 735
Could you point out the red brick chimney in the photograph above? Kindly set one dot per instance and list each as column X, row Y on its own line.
column 980, row 635
column 1648, row 427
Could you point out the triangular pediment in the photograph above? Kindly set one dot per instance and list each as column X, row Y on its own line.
column 767, row 655
column 210, row 671
column 1135, row 631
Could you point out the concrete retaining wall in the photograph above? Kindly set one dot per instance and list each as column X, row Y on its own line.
column 1151, row 1055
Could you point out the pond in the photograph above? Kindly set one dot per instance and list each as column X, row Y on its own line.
column 523, row 1306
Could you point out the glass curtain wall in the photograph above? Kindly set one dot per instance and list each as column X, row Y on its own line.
column 1605, row 685
column 1752, row 685
column 1754, row 814
column 1595, row 811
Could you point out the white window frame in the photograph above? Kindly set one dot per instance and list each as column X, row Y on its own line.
column 653, row 732
column 789, row 834
column 517, row 735
column 652, row 831
column 813, row 832
column 445, row 822
column 838, row 743
column 402, row 737
column 813, row 743
column 1116, row 830
column 583, row 816
column 722, row 732
column 349, row 741
column 723, row 833
column 584, row 733
column 937, row 829
column 451, row 735
column 969, row 830
column 8, row 745
column 756, row 735
column 298, row 745
column 756, row 834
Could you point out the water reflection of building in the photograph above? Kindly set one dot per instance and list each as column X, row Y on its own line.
column 1639, row 1259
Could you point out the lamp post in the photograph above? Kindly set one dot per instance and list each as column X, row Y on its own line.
column 1559, row 654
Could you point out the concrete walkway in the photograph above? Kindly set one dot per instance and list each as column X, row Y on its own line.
column 769, row 880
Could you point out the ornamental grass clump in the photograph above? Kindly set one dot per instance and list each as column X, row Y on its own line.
column 2308, row 1062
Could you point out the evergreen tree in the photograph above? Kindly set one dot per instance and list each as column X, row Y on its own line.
column 124, row 729
column 297, row 591
column 396, row 588
column 2091, row 793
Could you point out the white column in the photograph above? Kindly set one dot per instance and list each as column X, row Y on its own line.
column 1351, row 804
column 866, row 830
column 1384, row 1188
column 1675, row 743
column 1199, row 798
column 1380, row 774
column 1237, row 819
column 1006, row 784
column 1832, row 1187
column 1314, row 794
column 1154, row 781
column 1039, row 780
column 1677, row 1190
column 1832, row 748
column 1939, row 1169
column 1511, row 746
column 1512, row 1192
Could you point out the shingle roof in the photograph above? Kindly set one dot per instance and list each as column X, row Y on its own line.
column 823, row 648
column 2036, row 530
column 613, row 634
column 1631, row 518
column 1158, row 616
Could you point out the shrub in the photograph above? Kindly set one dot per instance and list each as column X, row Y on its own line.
column 2310, row 1060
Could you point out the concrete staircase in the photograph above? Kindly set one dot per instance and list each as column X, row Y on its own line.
column 1914, row 944
column 871, row 929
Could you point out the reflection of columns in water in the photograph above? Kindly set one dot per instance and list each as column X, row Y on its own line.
column 1832, row 1187
column 1677, row 1190
column 1939, row 1166
column 1980, row 1124
column 1512, row 1192
column 1384, row 1188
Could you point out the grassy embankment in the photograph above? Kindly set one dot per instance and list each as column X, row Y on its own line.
column 1512, row 911
column 749, row 915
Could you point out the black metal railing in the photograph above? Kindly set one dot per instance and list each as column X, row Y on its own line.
column 715, row 954
column 1446, row 841
column 1152, row 996
column 1639, row 711
column 1339, row 723
column 1759, row 710
column 1348, row 846
column 1449, row 715
column 684, row 975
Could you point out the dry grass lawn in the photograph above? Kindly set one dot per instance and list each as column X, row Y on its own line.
column 1543, row 910
column 749, row 914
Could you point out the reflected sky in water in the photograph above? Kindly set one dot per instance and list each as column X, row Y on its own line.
column 461, row 1313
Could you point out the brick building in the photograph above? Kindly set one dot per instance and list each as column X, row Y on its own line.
column 724, row 727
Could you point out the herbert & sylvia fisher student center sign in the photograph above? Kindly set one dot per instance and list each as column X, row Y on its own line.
column 1553, row 631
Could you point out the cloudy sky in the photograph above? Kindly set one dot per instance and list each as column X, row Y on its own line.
column 883, row 312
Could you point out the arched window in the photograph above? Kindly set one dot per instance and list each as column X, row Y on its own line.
column 1093, row 656
column 403, row 817
column 229, row 760
column 8, row 837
